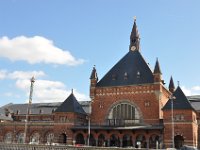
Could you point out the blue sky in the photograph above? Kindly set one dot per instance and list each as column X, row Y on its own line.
column 59, row 42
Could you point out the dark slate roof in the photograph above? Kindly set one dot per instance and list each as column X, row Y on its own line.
column 157, row 68
column 195, row 101
column 131, row 69
column 180, row 101
column 70, row 105
column 39, row 108
column 35, row 108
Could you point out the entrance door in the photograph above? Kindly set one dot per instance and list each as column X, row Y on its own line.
column 63, row 139
column 179, row 141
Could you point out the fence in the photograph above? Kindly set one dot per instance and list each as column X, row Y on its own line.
column 4, row 146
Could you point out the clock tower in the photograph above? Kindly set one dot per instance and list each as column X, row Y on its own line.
column 134, row 38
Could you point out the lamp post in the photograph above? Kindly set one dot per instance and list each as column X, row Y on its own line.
column 89, row 113
column 30, row 101
column 172, row 115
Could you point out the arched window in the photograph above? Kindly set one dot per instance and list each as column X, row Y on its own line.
column 35, row 138
column 20, row 137
column 101, row 140
column 124, row 114
column 80, row 139
column 8, row 137
column 49, row 138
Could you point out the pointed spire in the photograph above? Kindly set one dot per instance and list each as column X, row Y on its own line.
column 94, row 73
column 72, row 91
column 157, row 68
column 134, row 38
column 171, row 85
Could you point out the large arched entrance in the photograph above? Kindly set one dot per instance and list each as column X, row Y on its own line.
column 80, row 139
column 178, row 141
column 127, row 140
column 124, row 113
column 101, row 140
column 62, row 139
column 114, row 140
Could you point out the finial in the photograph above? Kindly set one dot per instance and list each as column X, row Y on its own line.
column 178, row 83
column 72, row 91
column 94, row 66
column 32, row 79
column 134, row 18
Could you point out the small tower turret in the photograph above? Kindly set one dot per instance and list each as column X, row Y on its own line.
column 93, row 82
column 134, row 38
column 157, row 72
column 171, row 85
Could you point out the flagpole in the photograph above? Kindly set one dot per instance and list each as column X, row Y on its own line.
column 28, row 108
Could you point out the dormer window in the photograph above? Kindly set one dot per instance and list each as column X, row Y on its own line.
column 125, row 75
column 40, row 111
column 17, row 113
column 53, row 110
column 138, row 74
column 114, row 77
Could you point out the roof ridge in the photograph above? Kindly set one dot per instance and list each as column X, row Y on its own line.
column 131, row 69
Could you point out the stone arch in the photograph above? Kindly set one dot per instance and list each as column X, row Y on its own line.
column 92, row 140
column 35, row 138
column 8, row 137
column 49, row 138
column 178, row 141
column 101, row 140
column 140, row 141
column 127, row 140
column 114, row 140
column 79, row 139
column 154, row 141
column 62, row 139
column 20, row 137
column 126, row 111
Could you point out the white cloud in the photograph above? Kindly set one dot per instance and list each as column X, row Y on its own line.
column 48, row 91
column 3, row 74
column 195, row 90
column 35, row 49
column 44, row 90
column 25, row 74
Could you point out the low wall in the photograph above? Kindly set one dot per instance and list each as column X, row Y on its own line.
column 4, row 146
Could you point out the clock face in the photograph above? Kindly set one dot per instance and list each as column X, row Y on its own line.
column 133, row 48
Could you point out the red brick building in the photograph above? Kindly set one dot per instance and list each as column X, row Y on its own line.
column 130, row 106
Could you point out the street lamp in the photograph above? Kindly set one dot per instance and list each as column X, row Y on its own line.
column 172, row 115
column 89, row 113
column 30, row 101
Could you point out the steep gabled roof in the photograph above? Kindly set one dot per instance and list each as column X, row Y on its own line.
column 131, row 69
column 180, row 101
column 171, row 85
column 70, row 105
column 157, row 69
column 94, row 74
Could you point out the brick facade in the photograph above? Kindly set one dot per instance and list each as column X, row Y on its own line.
column 125, row 111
